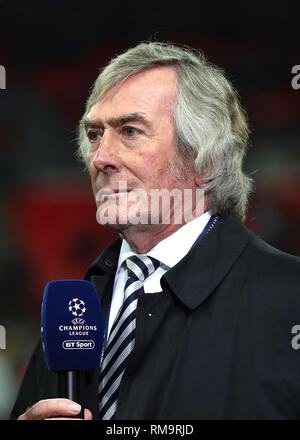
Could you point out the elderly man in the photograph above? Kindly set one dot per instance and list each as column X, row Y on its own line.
column 199, row 311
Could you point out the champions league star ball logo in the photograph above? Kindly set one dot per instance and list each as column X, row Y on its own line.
column 77, row 307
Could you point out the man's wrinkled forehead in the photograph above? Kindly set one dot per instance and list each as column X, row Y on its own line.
column 143, row 86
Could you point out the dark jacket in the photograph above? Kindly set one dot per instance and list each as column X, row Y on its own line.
column 216, row 343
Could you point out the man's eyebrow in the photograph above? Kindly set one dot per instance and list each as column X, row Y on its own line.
column 116, row 122
column 130, row 117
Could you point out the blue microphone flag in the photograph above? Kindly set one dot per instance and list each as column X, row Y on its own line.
column 72, row 325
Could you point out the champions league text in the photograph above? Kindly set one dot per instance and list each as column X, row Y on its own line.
column 77, row 330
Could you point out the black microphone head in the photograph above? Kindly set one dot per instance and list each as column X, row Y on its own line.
column 72, row 325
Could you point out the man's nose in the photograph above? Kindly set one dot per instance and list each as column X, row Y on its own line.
column 107, row 157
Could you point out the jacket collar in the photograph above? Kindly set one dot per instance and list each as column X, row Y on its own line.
column 196, row 276
column 107, row 261
column 102, row 273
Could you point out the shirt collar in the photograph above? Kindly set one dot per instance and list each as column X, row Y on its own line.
column 174, row 247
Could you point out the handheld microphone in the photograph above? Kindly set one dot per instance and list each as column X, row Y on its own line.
column 72, row 331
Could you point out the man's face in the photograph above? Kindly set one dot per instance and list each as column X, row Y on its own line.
column 132, row 148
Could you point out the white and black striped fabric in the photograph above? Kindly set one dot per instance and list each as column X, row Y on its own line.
column 121, row 338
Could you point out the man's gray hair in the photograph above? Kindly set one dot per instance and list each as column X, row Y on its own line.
column 210, row 124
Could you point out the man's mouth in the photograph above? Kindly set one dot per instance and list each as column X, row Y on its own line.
column 118, row 191
column 111, row 192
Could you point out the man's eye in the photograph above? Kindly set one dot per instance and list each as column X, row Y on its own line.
column 93, row 136
column 130, row 131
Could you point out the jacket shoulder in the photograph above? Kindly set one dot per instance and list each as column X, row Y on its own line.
column 272, row 260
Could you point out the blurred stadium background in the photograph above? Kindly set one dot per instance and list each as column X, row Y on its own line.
column 52, row 52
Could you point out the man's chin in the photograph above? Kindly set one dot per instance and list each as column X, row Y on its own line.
column 117, row 227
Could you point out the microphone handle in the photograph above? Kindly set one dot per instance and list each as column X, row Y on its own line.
column 71, row 386
column 75, row 389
